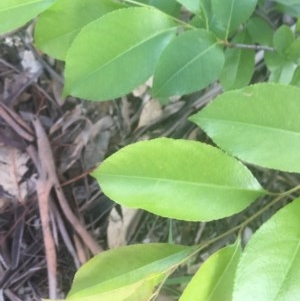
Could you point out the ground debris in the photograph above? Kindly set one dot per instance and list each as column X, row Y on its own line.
column 33, row 123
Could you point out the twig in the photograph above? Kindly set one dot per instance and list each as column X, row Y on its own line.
column 250, row 47
column 47, row 180
column 43, row 187
column 46, row 158
column 16, row 123
column 64, row 233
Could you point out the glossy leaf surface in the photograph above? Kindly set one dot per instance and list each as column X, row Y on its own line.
column 16, row 13
column 269, row 268
column 178, row 179
column 214, row 280
column 266, row 129
column 232, row 13
column 126, row 273
column 108, row 65
column 189, row 63
column 72, row 16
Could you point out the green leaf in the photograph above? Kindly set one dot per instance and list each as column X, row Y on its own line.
column 140, row 290
column 296, row 78
column 232, row 13
column 189, row 63
column 266, row 129
column 215, row 278
column 113, row 63
column 293, row 51
column 179, row 179
column 170, row 7
column 191, row 5
column 208, row 20
column 297, row 29
column 260, row 31
column 283, row 38
column 16, row 13
column 280, row 67
column 127, row 273
column 291, row 10
column 291, row 7
column 239, row 64
column 72, row 16
column 269, row 268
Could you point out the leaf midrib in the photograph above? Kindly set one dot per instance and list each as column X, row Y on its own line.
column 229, row 19
column 184, row 67
column 223, row 274
column 188, row 183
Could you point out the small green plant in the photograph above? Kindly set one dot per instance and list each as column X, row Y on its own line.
column 110, row 48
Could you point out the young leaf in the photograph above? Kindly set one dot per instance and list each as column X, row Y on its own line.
column 16, row 13
column 71, row 15
column 214, row 280
column 127, row 272
column 189, row 63
column 266, row 130
column 232, row 13
column 239, row 64
column 180, row 179
column 269, row 268
column 114, row 54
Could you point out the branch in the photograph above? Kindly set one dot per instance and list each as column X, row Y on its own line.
column 250, row 47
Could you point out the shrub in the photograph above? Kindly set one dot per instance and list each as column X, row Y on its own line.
column 110, row 48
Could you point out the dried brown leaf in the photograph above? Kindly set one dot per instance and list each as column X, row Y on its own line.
column 12, row 169
column 95, row 138
column 118, row 226
column 151, row 112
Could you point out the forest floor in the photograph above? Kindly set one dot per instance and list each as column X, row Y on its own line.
column 49, row 145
